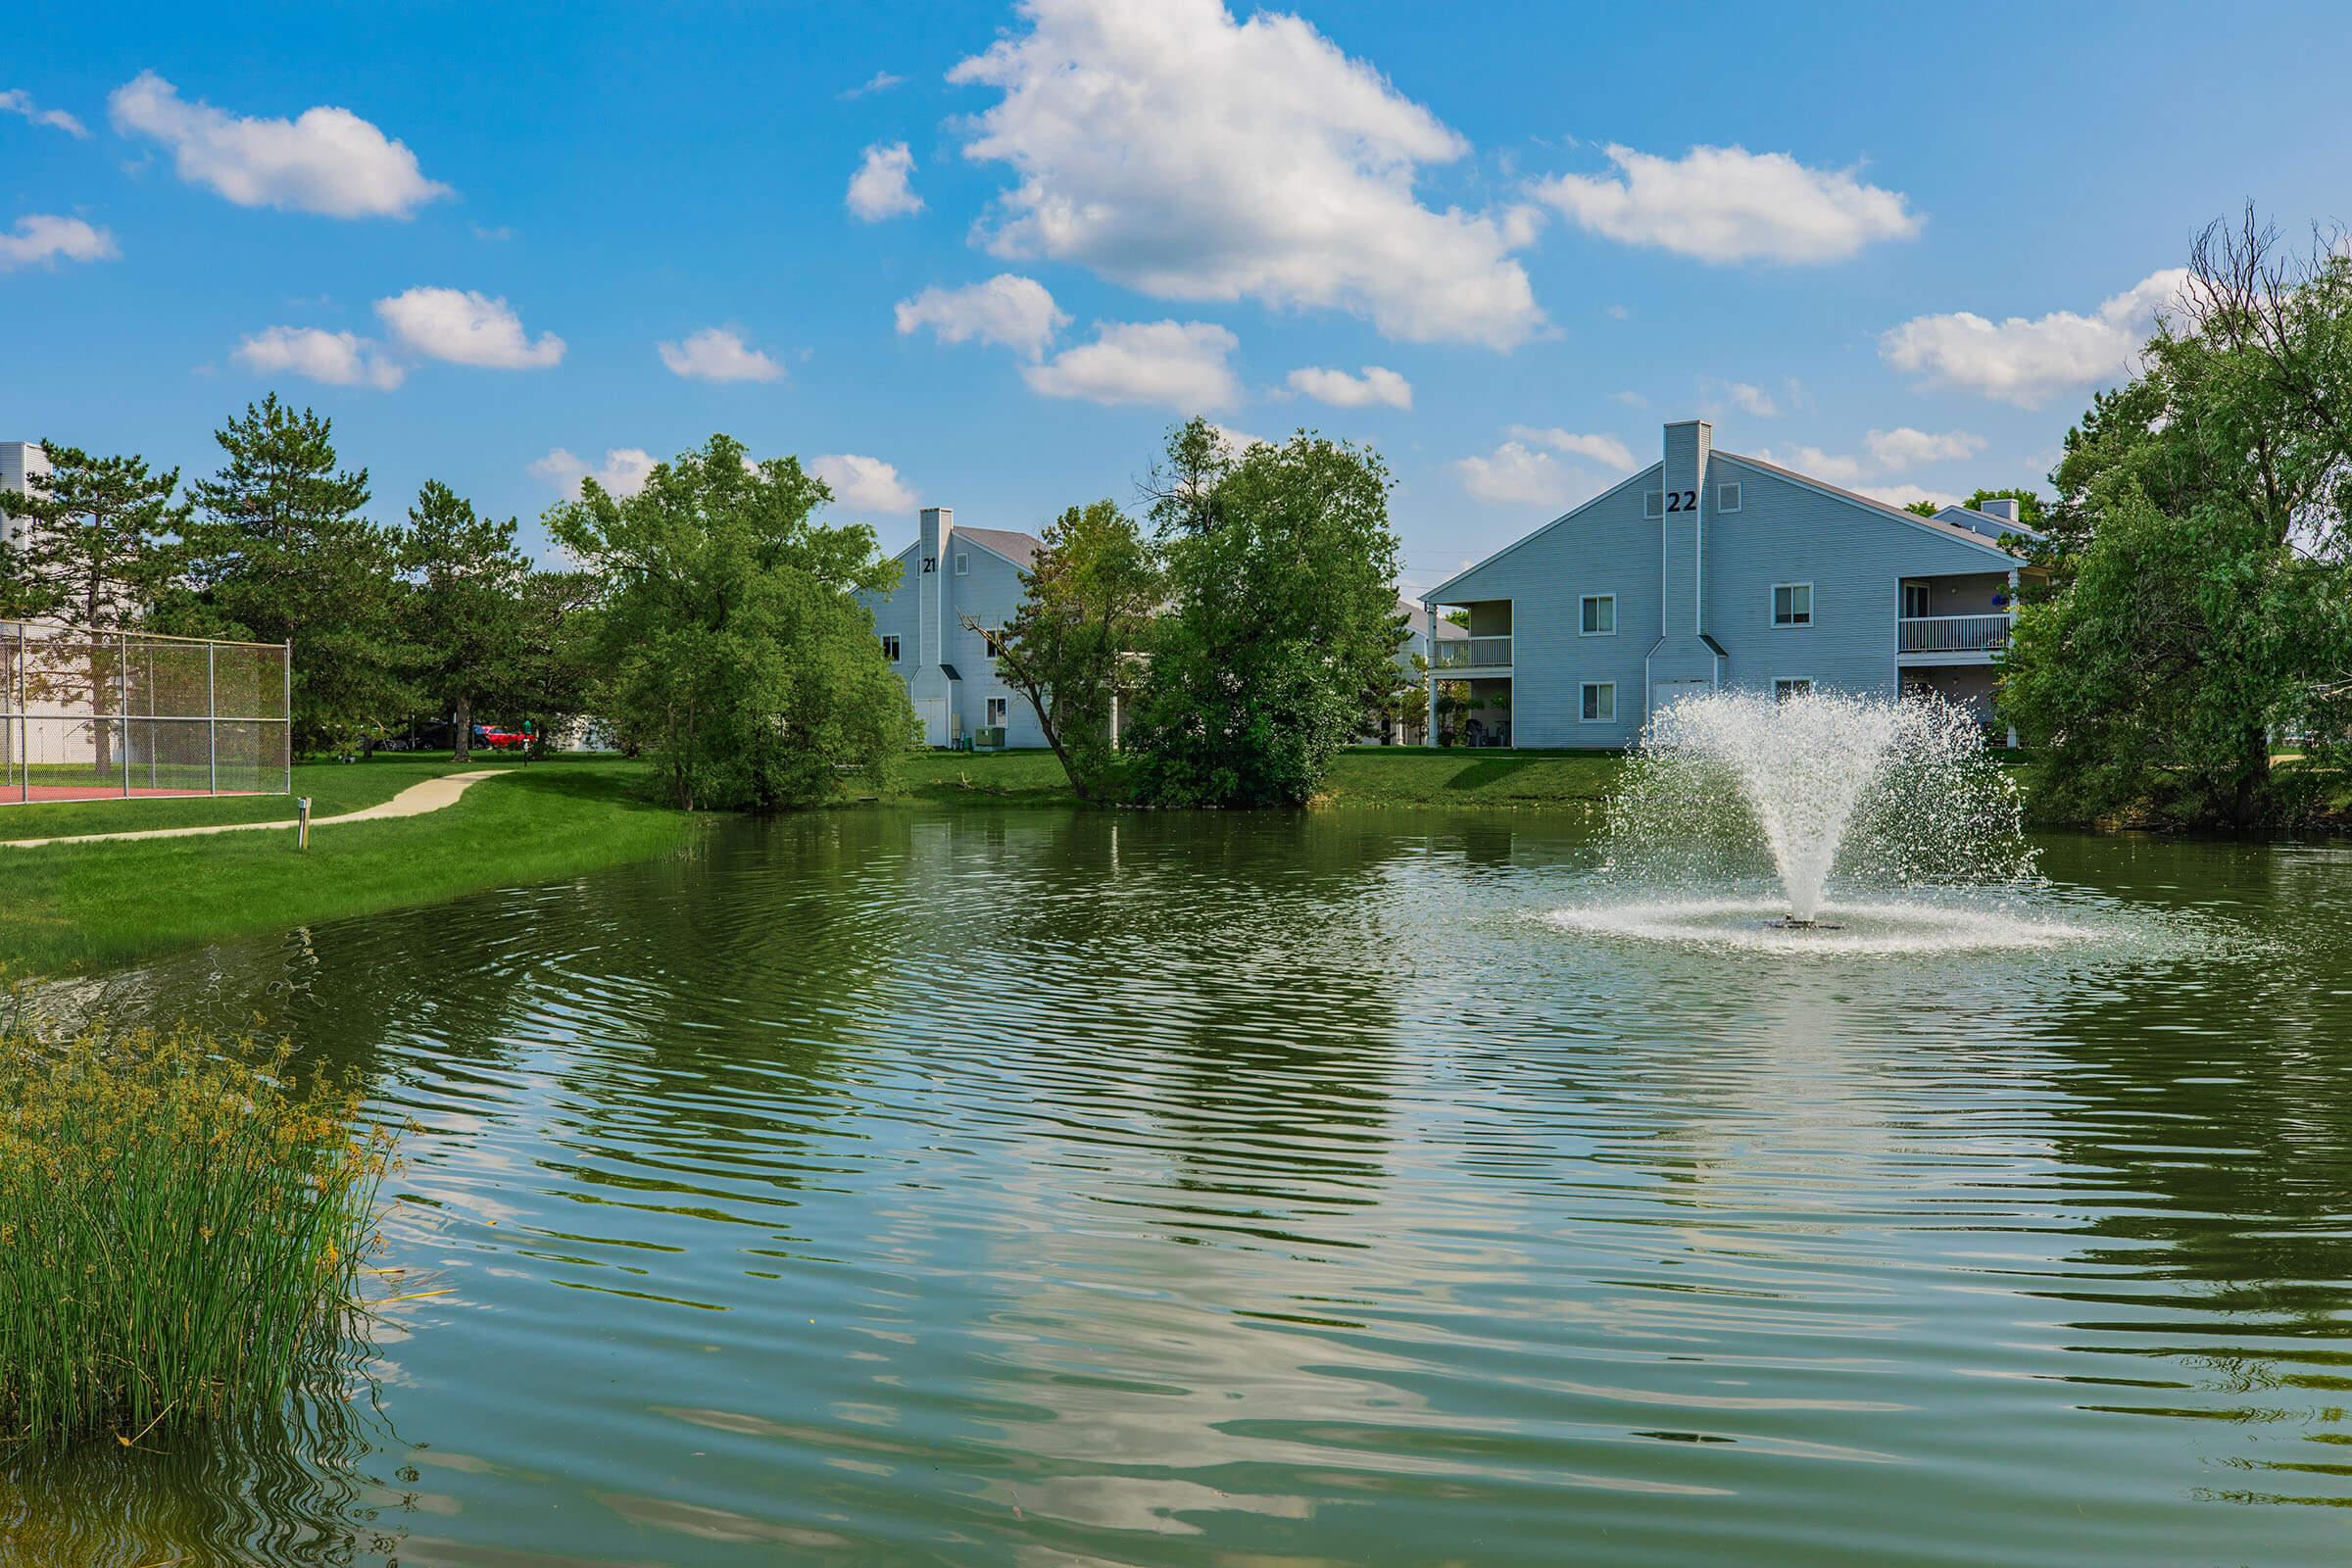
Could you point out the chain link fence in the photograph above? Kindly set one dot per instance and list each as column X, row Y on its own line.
column 86, row 715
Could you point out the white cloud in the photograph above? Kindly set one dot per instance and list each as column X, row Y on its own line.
column 1343, row 391
column 1239, row 440
column 17, row 101
column 864, row 484
column 2024, row 361
column 1617, row 312
column 41, row 237
column 879, row 81
column 1515, row 475
column 715, row 353
column 1905, row 448
column 1191, row 157
column 1605, row 450
column 1632, row 400
column 1177, row 365
column 1747, row 398
column 326, row 160
column 623, row 471
column 879, row 188
column 1904, row 495
column 1014, row 310
column 465, row 327
column 1834, row 468
column 337, row 358
column 1726, row 204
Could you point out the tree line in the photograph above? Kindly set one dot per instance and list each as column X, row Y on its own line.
column 1218, row 650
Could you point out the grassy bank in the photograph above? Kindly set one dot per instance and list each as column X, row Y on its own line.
column 1365, row 776
column 83, row 906
column 181, row 1232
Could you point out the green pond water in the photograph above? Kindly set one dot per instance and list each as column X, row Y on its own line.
column 882, row 1188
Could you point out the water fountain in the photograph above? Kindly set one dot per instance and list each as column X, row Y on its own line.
column 1826, row 819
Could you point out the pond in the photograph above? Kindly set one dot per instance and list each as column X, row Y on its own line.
column 894, row 1187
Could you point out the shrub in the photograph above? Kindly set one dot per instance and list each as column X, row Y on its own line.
column 181, row 1230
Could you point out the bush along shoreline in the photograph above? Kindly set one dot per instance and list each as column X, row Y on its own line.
column 183, row 1232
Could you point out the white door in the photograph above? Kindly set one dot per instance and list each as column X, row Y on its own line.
column 933, row 712
column 1664, row 694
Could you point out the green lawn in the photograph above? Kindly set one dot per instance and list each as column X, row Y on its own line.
column 333, row 787
column 67, row 907
column 1363, row 776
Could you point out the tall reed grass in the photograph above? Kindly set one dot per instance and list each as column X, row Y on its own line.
column 181, row 1228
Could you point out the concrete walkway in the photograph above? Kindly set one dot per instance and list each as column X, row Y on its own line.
column 415, row 801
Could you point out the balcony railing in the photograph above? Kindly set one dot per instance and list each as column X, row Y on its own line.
column 1474, row 653
column 1952, row 634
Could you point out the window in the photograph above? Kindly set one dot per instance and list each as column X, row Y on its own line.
column 1600, row 618
column 1787, row 687
column 1915, row 600
column 993, row 642
column 964, row 564
column 890, row 648
column 1727, row 498
column 1653, row 505
column 996, row 713
column 1793, row 604
column 1601, row 702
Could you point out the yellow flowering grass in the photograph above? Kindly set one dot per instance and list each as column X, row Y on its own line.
column 182, row 1227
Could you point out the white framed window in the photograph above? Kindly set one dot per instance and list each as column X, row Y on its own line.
column 890, row 648
column 1727, row 498
column 996, row 713
column 1793, row 604
column 1599, row 702
column 1915, row 600
column 1788, row 686
column 964, row 564
column 1599, row 617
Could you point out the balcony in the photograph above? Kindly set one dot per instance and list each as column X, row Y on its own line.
column 1952, row 634
column 1474, row 653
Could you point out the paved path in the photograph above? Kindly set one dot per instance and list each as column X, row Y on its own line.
column 415, row 801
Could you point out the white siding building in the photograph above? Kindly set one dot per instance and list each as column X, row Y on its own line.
column 1711, row 569
column 19, row 461
column 950, row 574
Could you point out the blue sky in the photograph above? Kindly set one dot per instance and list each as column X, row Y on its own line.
column 1894, row 250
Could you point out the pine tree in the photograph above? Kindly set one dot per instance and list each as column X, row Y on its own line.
column 278, row 552
column 465, row 616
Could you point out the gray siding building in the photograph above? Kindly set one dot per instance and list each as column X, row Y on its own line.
column 1711, row 569
column 947, row 576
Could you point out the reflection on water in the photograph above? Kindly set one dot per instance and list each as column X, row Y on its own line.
column 1050, row 1190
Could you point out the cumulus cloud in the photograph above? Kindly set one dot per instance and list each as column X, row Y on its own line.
column 41, row 238
column 1745, row 396
column 1343, row 391
column 1906, row 448
column 2025, row 361
column 17, row 101
column 879, row 188
column 1605, row 450
column 1183, row 154
column 1515, row 474
column 337, row 358
column 1009, row 309
column 326, row 160
column 1885, row 454
column 1726, row 204
column 1906, row 495
column 716, row 354
column 465, row 327
column 1183, row 365
column 623, row 471
column 864, row 485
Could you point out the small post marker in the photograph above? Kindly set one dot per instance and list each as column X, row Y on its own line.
column 302, row 822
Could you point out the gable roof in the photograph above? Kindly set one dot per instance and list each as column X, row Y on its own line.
column 1946, row 528
column 1437, row 595
column 1014, row 546
column 1447, row 631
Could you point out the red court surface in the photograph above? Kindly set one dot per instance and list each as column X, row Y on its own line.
column 13, row 795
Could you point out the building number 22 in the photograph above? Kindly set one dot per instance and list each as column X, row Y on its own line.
column 1682, row 500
